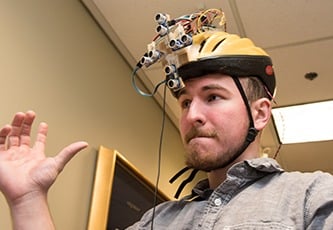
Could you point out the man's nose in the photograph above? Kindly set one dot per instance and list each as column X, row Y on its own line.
column 196, row 113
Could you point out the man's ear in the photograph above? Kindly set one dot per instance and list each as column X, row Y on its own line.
column 261, row 112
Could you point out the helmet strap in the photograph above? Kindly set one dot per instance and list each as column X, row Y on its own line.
column 252, row 131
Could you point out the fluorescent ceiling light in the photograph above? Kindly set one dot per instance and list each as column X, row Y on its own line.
column 304, row 123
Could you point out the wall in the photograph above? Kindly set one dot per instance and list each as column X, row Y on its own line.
column 56, row 61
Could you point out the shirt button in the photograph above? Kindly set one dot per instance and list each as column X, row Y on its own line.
column 218, row 202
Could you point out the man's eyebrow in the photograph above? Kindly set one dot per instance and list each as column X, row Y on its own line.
column 205, row 88
column 214, row 86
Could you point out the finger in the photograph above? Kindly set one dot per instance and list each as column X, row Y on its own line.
column 3, row 136
column 40, row 142
column 26, row 128
column 14, row 135
column 68, row 153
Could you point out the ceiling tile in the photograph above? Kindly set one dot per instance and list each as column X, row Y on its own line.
column 279, row 22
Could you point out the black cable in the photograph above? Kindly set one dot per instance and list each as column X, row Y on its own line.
column 277, row 151
column 159, row 156
column 133, row 77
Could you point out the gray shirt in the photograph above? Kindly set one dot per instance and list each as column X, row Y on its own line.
column 257, row 194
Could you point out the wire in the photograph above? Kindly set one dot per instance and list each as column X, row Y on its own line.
column 194, row 23
column 137, row 88
column 277, row 151
column 159, row 156
column 206, row 19
column 161, row 133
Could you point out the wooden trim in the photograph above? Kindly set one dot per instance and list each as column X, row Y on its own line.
column 103, row 183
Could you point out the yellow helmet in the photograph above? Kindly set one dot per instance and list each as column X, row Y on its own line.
column 221, row 52
column 194, row 45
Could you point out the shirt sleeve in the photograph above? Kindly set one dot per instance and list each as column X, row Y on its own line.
column 319, row 202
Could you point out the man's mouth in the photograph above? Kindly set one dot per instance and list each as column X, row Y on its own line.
column 195, row 133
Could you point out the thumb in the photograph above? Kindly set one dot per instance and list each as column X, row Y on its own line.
column 65, row 155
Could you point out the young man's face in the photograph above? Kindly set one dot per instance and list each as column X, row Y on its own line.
column 213, row 122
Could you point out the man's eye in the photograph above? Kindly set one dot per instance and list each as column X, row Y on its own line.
column 185, row 104
column 213, row 98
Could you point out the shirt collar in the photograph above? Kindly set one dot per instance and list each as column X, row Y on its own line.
column 248, row 170
column 264, row 164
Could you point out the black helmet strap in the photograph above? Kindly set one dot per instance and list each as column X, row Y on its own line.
column 252, row 132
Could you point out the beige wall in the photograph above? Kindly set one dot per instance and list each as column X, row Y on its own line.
column 55, row 60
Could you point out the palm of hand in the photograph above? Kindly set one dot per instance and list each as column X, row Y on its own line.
column 25, row 170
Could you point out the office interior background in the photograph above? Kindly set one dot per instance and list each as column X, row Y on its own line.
column 57, row 60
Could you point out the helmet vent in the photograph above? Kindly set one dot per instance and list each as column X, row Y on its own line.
column 202, row 44
column 217, row 44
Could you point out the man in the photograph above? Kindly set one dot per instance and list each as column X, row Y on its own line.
column 225, row 100
column 225, row 104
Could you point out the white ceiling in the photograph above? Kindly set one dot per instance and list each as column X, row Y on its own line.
column 298, row 35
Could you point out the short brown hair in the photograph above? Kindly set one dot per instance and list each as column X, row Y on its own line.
column 254, row 89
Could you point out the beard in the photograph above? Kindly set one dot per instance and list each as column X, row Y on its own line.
column 204, row 157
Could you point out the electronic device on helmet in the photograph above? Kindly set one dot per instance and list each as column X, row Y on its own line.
column 197, row 44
